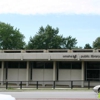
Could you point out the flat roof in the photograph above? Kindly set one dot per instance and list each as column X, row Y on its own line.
column 51, row 51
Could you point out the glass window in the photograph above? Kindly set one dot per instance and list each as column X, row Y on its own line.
column 69, row 65
column 22, row 64
column 64, row 65
column 92, row 71
column 93, row 65
column 15, row 64
column 12, row 64
column 38, row 65
column 48, row 65
column 76, row 65
column 0, row 64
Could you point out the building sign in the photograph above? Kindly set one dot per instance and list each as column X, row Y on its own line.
column 95, row 56
column 70, row 56
column 90, row 56
column 85, row 56
column 81, row 56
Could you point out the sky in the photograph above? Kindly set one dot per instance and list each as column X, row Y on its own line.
column 77, row 18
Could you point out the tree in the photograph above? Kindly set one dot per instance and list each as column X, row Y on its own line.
column 46, row 38
column 96, row 43
column 77, row 47
column 69, row 42
column 10, row 38
column 87, row 46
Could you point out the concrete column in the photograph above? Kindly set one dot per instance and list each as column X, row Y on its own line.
column 2, row 72
column 54, row 71
column 27, row 73
column 82, row 75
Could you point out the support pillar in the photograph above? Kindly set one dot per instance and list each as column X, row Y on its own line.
column 54, row 71
column 2, row 73
column 82, row 75
column 27, row 73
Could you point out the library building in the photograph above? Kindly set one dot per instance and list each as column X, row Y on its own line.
column 62, row 66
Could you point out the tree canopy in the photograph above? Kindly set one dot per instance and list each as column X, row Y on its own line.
column 69, row 42
column 48, row 38
column 87, row 46
column 96, row 43
column 10, row 38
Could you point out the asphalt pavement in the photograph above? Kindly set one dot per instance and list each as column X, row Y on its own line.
column 54, row 94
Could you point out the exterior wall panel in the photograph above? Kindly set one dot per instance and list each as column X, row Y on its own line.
column 22, row 74
column 42, row 74
column 4, row 75
column 37, row 75
column 13, row 75
column 64, row 74
column 76, row 74
column 48, row 74
column 16, row 74
column 68, row 74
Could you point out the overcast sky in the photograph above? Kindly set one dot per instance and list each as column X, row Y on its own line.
column 77, row 18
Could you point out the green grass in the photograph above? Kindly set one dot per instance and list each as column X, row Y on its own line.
column 43, row 89
column 98, row 95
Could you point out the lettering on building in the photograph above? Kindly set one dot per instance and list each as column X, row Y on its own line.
column 81, row 56
column 90, row 56
column 95, row 56
column 70, row 56
column 84, row 56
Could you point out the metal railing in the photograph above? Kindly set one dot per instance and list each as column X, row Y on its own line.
column 48, row 84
